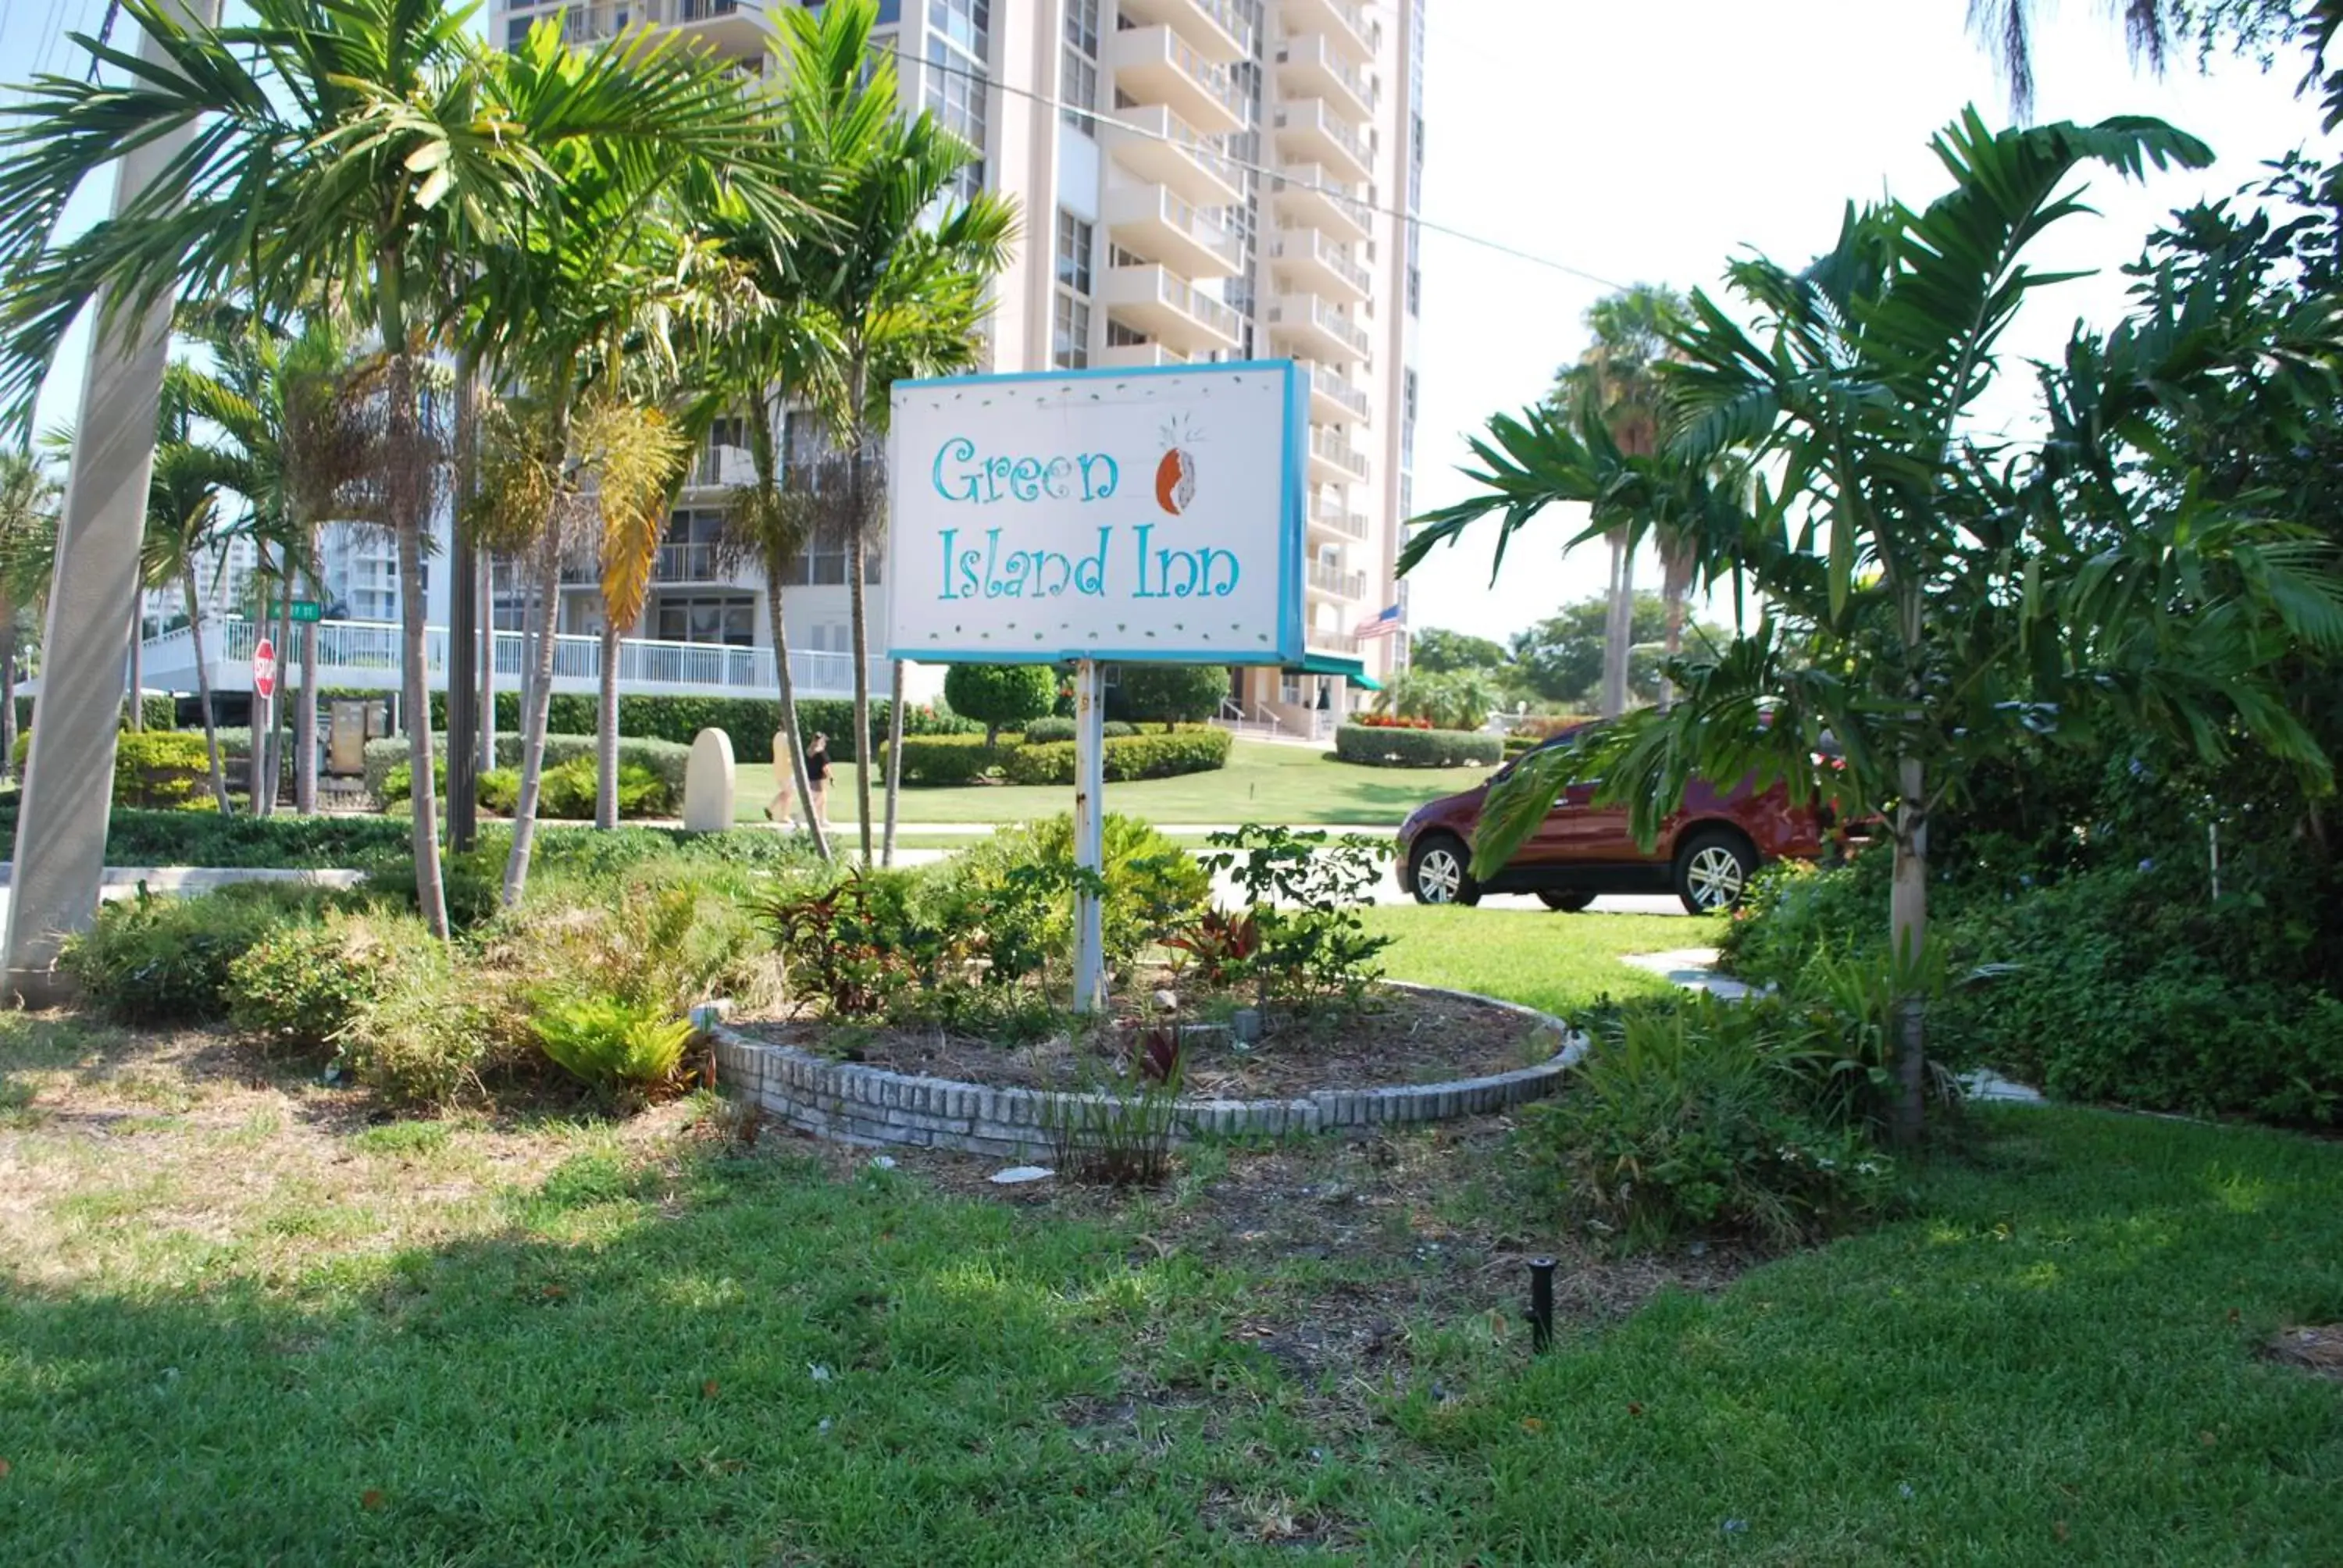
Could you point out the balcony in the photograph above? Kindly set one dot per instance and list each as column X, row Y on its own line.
column 1311, row 67
column 1164, row 149
column 1137, row 356
column 1151, row 221
column 1327, row 514
column 1308, row 131
column 1336, row 582
column 1213, row 26
column 1333, row 459
column 1326, row 640
column 1156, row 65
column 727, row 26
column 1344, row 22
column 1317, row 329
column 1334, row 398
column 714, row 467
column 1311, row 196
column 1320, row 266
column 1152, row 300
column 699, row 563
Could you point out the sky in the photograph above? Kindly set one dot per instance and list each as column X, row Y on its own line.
column 1651, row 143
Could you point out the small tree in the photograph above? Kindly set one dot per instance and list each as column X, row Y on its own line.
column 1001, row 696
column 1173, row 694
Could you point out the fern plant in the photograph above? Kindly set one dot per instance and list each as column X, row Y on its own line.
column 611, row 1044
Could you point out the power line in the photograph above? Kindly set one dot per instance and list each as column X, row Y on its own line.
column 1288, row 181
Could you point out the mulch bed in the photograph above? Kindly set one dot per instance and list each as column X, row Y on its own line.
column 1397, row 1038
column 2318, row 1349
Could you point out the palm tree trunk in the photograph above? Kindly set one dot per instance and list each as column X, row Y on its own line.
column 790, row 734
column 857, row 611
column 606, row 732
column 8, row 690
column 1619, row 628
column 137, row 718
column 1907, row 915
column 203, row 692
column 894, row 757
column 305, row 707
column 536, row 713
column 488, row 661
column 415, row 698
column 264, row 795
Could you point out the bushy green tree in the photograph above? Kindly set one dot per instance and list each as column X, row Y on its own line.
column 1170, row 694
column 1001, row 696
column 1436, row 650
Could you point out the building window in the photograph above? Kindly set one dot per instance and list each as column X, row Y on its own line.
column 1075, row 241
column 1071, row 333
column 959, row 52
column 1407, row 419
column 1078, row 66
column 1070, row 319
column 730, row 619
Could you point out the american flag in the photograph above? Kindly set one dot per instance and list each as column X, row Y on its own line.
column 1387, row 624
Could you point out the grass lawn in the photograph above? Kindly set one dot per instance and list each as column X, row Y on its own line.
column 1555, row 961
column 239, row 1322
column 1261, row 783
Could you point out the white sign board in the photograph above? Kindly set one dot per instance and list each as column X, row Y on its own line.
column 1150, row 516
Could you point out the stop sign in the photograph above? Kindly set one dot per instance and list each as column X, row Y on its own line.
column 264, row 668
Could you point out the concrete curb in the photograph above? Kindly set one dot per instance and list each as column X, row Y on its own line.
column 847, row 1103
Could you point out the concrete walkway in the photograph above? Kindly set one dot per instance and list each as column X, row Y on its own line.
column 1695, row 969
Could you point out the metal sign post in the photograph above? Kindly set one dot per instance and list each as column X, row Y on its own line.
column 1089, row 835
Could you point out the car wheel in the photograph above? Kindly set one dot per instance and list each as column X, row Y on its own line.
column 1437, row 872
column 1713, row 870
column 1568, row 903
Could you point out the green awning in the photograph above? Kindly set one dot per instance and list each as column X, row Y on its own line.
column 1350, row 669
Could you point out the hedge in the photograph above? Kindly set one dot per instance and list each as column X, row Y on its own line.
column 1152, row 755
column 1378, row 747
column 158, row 770
column 161, row 712
column 942, row 761
column 1043, row 730
column 663, row 758
column 751, row 722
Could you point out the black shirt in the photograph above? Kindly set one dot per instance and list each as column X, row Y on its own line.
column 817, row 766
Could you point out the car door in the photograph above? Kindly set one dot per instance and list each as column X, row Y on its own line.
column 1587, row 833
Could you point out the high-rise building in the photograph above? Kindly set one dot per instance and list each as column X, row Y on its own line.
column 1198, row 180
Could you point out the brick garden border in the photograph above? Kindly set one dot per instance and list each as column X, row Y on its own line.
column 848, row 1102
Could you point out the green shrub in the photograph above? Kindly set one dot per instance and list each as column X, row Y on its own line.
column 153, row 769
column 1168, row 694
column 1151, row 756
column 569, row 792
column 166, row 961
column 751, row 722
column 608, row 1044
column 425, row 1039
column 1001, row 696
column 1043, row 730
column 499, row 790
column 386, row 771
column 301, row 986
column 946, row 761
column 1676, row 1124
column 1377, row 747
column 1153, row 886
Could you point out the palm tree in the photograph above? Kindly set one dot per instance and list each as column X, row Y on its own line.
column 371, row 149
column 1925, row 605
column 896, row 285
column 29, row 533
column 2005, row 27
column 586, row 299
column 184, row 531
column 638, row 457
column 1616, row 380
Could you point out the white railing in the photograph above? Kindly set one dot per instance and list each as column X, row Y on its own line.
column 1308, row 245
column 1335, row 581
column 699, row 563
column 1332, row 641
column 368, row 654
column 1312, row 115
column 1295, row 310
column 1312, row 49
column 1336, row 385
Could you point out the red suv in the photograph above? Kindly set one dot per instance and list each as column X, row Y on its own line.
column 1706, row 851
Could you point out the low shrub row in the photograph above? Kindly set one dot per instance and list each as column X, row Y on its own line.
column 1378, row 747
column 1043, row 730
column 569, row 792
column 751, row 722
column 153, row 769
column 664, row 760
column 944, row 762
column 595, row 982
column 160, row 712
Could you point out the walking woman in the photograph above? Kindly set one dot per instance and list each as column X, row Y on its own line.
column 781, row 808
column 818, row 780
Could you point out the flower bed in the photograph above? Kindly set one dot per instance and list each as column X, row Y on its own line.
column 861, row 1103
